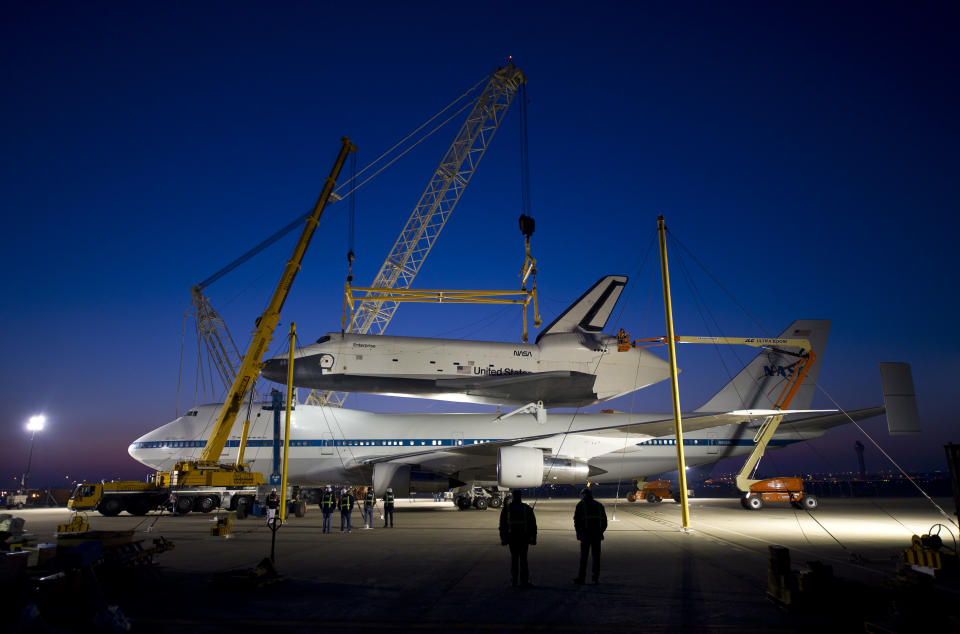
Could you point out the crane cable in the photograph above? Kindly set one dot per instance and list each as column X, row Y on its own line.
column 524, row 154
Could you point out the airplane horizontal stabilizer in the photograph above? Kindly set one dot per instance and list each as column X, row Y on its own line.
column 899, row 399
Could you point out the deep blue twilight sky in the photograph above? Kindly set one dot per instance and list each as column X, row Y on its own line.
column 806, row 152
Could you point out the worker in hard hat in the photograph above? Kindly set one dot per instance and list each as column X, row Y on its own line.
column 328, row 502
column 273, row 503
column 346, row 509
column 589, row 521
column 518, row 530
column 369, row 501
column 388, row 507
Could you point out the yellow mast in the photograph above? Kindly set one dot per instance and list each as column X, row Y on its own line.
column 674, row 387
column 286, row 432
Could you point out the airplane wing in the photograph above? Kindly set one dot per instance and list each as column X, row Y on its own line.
column 470, row 455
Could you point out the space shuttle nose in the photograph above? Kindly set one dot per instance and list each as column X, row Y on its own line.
column 274, row 370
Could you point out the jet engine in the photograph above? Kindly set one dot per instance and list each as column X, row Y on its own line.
column 519, row 467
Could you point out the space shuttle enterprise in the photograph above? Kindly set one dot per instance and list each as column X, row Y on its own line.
column 571, row 364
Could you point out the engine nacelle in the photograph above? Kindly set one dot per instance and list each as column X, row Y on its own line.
column 393, row 475
column 519, row 467
column 565, row 471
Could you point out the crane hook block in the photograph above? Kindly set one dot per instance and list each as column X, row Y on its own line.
column 526, row 225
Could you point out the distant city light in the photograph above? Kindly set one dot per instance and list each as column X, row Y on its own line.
column 36, row 423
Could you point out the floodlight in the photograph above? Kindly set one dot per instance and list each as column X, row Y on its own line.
column 36, row 423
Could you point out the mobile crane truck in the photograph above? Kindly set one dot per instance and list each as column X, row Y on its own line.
column 206, row 484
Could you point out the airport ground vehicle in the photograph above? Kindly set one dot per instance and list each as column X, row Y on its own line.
column 779, row 490
column 653, row 492
column 478, row 498
column 138, row 498
column 15, row 500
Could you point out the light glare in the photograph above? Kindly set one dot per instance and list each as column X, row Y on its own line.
column 36, row 423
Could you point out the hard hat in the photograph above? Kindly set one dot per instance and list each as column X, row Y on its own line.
column 329, row 488
column 274, row 491
column 389, row 490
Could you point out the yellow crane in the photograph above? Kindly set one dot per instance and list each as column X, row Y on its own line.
column 208, row 470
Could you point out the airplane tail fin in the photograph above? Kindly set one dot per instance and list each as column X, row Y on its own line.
column 592, row 310
column 759, row 384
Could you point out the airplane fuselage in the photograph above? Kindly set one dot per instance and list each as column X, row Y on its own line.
column 330, row 445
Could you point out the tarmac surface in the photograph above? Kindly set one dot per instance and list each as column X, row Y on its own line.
column 440, row 569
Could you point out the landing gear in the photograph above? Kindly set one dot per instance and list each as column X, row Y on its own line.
column 496, row 502
column 480, row 503
column 463, row 503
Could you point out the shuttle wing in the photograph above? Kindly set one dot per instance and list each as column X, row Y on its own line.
column 560, row 388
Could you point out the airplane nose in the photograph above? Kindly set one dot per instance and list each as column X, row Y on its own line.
column 275, row 370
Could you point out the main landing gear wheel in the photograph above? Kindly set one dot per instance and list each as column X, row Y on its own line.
column 809, row 502
column 496, row 502
column 754, row 503
column 652, row 498
column 463, row 503
column 480, row 504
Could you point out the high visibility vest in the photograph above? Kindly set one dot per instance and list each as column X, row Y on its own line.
column 327, row 501
column 346, row 502
column 369, row 499
column 388, row 498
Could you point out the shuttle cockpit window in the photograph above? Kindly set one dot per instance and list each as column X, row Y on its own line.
column 323, row 339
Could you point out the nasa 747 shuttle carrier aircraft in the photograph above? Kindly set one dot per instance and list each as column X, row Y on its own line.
column 571, row 364
column 433, row 452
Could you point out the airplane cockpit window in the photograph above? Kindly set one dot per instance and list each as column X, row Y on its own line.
column 323, row 339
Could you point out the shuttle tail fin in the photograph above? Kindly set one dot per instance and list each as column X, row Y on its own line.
column 759, row 384
column 592, row 310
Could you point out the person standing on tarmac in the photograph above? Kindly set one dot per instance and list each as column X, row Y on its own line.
column 590, row 521
column 273, row 504
column 327, row 503
column 369, row 501
column 388, row 507
column 346, row 509
column 518, row 529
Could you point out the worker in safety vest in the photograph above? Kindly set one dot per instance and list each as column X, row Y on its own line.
column 346, row 509
column 518, row 529
column 328, row 502
column 388, row 507
column 273, row 504
column 369, row 501
column 590, row 521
